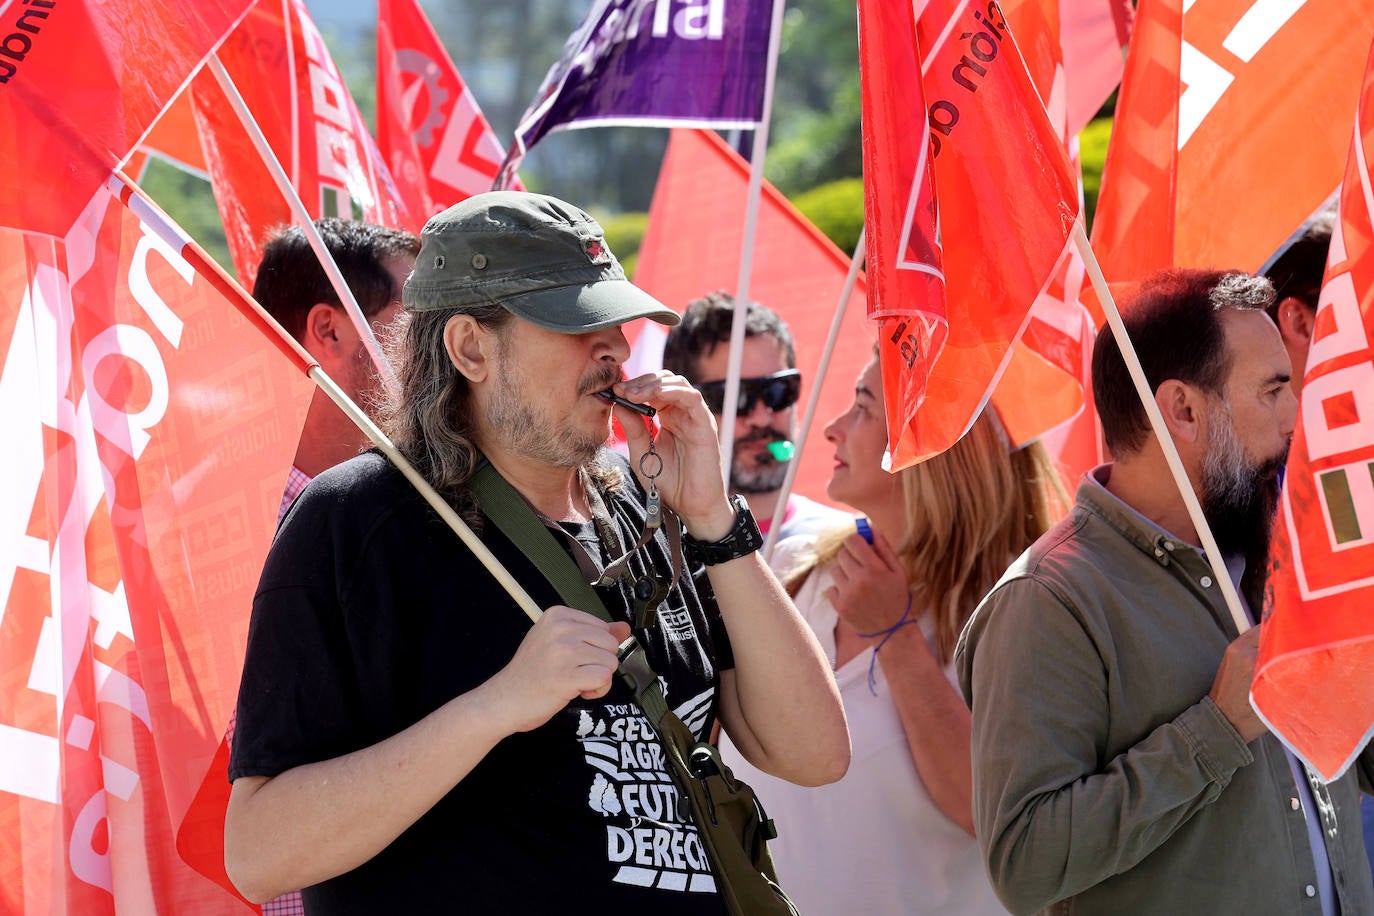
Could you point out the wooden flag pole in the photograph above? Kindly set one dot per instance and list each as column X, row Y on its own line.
column 1161, row 431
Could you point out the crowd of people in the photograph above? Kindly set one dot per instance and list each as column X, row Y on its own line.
column 957, row 694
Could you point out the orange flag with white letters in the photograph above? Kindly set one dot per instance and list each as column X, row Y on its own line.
column 1314, row 681
column 969, row 201
column 1231, row 130
column 149, row 429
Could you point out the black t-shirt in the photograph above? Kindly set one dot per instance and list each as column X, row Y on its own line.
column 371, row 614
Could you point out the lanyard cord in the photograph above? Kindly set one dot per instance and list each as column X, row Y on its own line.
column 648, row 591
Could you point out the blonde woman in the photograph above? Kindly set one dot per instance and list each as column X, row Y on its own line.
column 895, row 835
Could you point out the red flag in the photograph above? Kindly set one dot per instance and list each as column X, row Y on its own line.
column 1316, row 659
column 281, row 66
column 964, row 128
column 692, row 247
column 150, row 430
column 175, row 138
column 82, row 83
column 1094, row 38
column 1042, row 392
column 433, row 136
column 1203, row 170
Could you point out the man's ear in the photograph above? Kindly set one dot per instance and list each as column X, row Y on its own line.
column 1183, row 410
column 1295, row 321
column 326, row 329
column 470, row 347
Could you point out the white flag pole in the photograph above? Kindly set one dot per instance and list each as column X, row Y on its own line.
column 730, row 409
column 1161, row 431
column 856, row 264
column 307, row 224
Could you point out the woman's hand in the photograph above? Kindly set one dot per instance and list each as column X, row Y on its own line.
column 870, row 591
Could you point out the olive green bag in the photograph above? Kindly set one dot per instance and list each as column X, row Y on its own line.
column 728, row 816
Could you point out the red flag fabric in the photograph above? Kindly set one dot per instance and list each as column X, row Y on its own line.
column 1202, row 170
column 82, row 83
column 1042, row 392
column 432, row 135
column 284, row 72
column 1094, row 37
column 175, row 138
column 1314, row 680
column 692, row 247
column 150, row 430
column 939, row 101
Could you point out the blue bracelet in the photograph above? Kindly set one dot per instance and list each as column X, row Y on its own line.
column 905, row 620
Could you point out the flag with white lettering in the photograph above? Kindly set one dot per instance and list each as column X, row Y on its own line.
column 959, row 156
column 150, row 427
column 654, row 63
column 434, row 138
column 1230, row 132
column 82, row 83
column 281, row 67
column 1314, row 680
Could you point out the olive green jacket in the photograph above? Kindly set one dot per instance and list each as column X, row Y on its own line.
column 1105, row 780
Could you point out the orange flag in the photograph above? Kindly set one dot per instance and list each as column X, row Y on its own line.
column 150, row 427
column 969, row 201
column 82, row 84
column 1051, row 364
column 280, row 64
column 692, row 247
column 1231, row 130
column 1094, row 36
column 433, row 136
column 1314, row 681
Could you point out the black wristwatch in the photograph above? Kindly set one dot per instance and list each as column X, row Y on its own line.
column 742, row 539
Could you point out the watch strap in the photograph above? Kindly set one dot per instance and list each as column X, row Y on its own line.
column 741, row 540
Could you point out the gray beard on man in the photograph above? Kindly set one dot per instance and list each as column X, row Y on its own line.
column 749, row 476
column 551, row 440
column 1239, row 499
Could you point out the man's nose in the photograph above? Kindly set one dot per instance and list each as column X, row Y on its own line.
column 612, row 344
column 759, row 413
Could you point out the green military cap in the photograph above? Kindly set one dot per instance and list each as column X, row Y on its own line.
column 542, row 259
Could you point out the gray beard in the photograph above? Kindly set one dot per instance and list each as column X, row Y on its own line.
column 1239, row 499
column 757, row 479
column 533, row 435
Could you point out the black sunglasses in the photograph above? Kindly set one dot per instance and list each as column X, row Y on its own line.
column 778, row 391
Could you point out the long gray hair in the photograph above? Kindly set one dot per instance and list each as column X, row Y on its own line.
column 431, row 424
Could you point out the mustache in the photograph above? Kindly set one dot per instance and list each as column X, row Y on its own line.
column 761, row 435
column 599, row 380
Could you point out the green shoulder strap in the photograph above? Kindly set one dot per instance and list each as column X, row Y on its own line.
column 499, row 501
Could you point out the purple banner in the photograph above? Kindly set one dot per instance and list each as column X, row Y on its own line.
column 669, row 63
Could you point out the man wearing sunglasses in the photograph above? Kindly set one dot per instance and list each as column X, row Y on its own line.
column 766, row 420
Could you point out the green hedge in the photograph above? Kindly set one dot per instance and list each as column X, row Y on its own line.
column 837, row 209
column 1092, row 150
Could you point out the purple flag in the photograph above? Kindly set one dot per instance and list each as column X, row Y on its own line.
column 654, row 63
